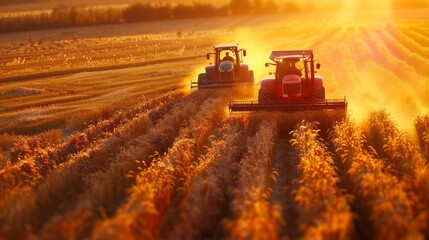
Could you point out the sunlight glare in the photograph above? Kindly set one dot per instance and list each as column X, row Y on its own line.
column 364, row 10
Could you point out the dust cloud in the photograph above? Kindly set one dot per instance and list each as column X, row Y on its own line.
column 371, row 61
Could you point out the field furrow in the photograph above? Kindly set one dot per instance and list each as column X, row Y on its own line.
column 286, row 165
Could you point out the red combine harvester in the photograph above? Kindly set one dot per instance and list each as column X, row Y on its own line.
column 228, row 69
column 294, row 87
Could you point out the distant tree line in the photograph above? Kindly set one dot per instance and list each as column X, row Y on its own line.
column 62, row 16
column 13, row 2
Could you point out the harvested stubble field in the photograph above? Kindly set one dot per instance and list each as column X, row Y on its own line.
column 101, row 138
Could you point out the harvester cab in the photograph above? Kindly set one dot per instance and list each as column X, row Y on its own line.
column 294, row 86
column 227, row 70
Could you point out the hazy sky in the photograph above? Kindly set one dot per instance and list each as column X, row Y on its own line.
column 303, row 4
column 51, row 4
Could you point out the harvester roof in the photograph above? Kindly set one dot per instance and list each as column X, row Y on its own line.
column 294, row 54
column 226, row 47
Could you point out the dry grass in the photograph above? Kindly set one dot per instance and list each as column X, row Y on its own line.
column 46, row 99
column 59, row 55
column 85, row 105
column 82, row 119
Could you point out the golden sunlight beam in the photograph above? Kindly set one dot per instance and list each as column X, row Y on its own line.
column 379, row 10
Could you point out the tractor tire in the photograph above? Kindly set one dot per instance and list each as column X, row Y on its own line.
column 202, row 79
column 264, row 95
column 318, row 93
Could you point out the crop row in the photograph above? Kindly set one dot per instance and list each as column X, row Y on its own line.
column 252, row 213
column 381, row 199
column 206, row 203
column 141, row 135
column 162, row 181
column 403, row 155
column 30, row 159
column 323, row 209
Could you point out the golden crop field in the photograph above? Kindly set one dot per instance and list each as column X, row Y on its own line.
column 101, row 137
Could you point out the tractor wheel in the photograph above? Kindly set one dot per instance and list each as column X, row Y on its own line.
column 318, row 93
column 264, row 95
column 202, row 79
